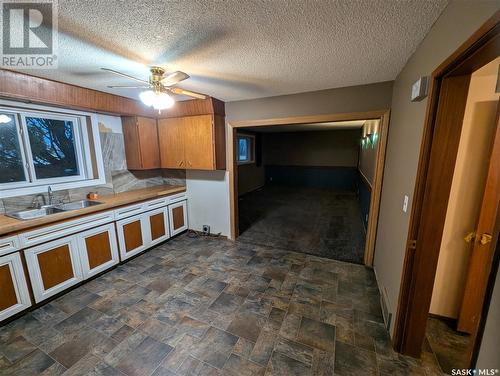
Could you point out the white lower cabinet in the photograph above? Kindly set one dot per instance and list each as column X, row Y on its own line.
column 98, row 249
column 14, row 295
column 54, row 266
column 177, row 214
column 133, row 235
column 157, row 223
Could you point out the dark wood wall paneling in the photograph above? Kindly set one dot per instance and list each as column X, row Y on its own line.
column 27, row 88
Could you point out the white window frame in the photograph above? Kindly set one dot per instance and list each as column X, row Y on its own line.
column 82, row 139
column 251, row 151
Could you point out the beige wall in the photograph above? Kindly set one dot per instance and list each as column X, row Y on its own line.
column 458, row 21
column 368, row 153
column 318, row 148
column 467, row 189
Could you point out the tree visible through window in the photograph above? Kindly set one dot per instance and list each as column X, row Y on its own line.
column 52, row 146
column 11, row 162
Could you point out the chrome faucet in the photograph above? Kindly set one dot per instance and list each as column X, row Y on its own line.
column 50, row 195
column 35, row 203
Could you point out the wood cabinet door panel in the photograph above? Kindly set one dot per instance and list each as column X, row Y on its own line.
column 148, row 143
column 178, row 217
column 98, row 249
column 199, row 142
column 54, row 266
column 132, row 235
column 158, row 225
column 14, row 295
column 171, row 140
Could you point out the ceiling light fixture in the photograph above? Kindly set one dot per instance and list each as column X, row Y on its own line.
column 156, row 99
column 4, row 119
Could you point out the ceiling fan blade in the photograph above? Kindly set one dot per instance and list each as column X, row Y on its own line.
column 173, row 78
column 178, row 90
column 124, row 75
column 127, row 87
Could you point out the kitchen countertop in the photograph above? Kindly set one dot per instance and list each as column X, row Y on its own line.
column 11, row 225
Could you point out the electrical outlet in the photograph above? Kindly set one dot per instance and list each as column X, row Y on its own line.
column 206, row 229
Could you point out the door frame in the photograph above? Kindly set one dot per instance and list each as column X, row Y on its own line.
column 382, row 115
column 449, row 85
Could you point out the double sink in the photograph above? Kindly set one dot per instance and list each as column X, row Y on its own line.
column 46, row 210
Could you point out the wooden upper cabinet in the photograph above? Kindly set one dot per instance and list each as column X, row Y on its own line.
column 141, row 143
column 193, row 142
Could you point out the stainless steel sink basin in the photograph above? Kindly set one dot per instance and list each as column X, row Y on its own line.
column 52, row 209
column 34, row 213
column 77, row 205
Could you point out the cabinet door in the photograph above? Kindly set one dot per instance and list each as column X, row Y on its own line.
column 132, row 235
column 141, row 142
column 158, row 225
column 178, row 217
column 98, row 249
column 14, row 295
column 199, row 142
column 171, row 137
column 53, row 267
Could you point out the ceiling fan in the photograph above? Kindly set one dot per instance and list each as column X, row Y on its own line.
column 160, row 85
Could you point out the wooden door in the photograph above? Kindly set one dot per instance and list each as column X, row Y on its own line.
column 132, row 235
column 14, row 295
column 98, row 249
column 158, row 225
column 178, row 217
column 199, row 142
column 171, row 139
column 53, row 267
column 483, row 244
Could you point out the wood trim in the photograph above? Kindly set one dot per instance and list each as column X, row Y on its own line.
column 208, row 106
column 309, row 119
column 437, row 156
column 376, row 191
column 383, row 115
column 31, row 89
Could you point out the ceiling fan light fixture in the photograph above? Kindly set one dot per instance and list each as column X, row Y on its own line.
column 159, row 101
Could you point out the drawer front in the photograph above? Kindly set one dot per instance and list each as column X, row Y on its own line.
column 44, row 234
column 53, row 267
column 149, row 205
column 98, row 249
column 129, row 211
column 9, row 244
column 177, row 197
column 14, row 295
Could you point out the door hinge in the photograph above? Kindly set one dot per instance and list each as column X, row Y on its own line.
column 412, row 244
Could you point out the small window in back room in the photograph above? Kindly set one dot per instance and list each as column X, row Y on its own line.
column 246, row 149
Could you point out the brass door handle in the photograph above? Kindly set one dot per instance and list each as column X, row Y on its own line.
column 470, row 237
column 485, row 238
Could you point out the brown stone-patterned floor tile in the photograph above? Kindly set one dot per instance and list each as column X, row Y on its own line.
column 282, row 365
column 317, row 334
column 238, row 366
column 246, row 325
column 215, row 347
column 351, row 360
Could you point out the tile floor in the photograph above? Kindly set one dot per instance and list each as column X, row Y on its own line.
column 321, row 222
column 208, row 306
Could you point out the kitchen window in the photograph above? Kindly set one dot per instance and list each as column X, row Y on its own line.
column 39, row 148
column 246, row 149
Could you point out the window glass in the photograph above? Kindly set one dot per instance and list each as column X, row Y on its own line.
column 11, row 162
column 52, row 146
column 243, row 154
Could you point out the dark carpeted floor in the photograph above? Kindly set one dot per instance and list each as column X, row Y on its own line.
column 314, row 221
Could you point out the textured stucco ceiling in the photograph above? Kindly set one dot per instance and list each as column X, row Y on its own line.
column 239, row 49
column 327, row 126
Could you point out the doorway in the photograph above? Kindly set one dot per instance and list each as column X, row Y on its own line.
column 451, row 256
column 288, row 195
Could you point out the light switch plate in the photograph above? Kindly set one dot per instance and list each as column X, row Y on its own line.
column 419, row 89
column 405, row 204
